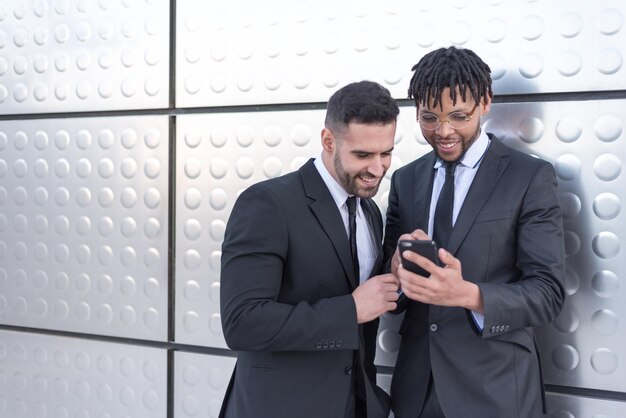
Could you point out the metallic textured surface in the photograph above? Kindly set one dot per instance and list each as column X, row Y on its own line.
column 200, row 382
column 564, row 406
column 285, row 51
column 45, row 376
column 83, row 225
column 59, row 56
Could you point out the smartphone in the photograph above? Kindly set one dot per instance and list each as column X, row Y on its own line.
column 424, row 248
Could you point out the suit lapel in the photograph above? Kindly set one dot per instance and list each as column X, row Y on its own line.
column 423, row 178
column 494, row 163
column 325, row 210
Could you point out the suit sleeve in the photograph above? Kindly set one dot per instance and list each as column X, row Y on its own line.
column 538, row 296
column 254, row 251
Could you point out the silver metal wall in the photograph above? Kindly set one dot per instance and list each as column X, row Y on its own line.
column 128, row 128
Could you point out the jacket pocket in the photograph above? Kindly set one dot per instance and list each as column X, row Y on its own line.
column 494, row 216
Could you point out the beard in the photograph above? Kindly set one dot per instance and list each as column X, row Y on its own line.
column 350, row 183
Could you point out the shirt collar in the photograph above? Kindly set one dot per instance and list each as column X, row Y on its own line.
column 339, row 194
column 475, row 152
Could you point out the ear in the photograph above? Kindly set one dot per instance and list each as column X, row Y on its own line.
column 328, row 140
column 485, row 105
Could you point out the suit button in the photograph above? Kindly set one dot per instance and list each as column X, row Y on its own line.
column 331, row 344
column 493, row 329
column 318, row 345
column 325, row 345
column 506, row 327
column 348, row 370
column 339, row 343
column 434, row 327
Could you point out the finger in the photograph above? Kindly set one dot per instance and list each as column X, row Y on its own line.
column 420, row 234
column 449, row 260
column 421, row 261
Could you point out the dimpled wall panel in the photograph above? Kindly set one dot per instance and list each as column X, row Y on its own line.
column 286, row 51
column 200, row 383
column 77, row 55
column 83, row 225
column 45, row 376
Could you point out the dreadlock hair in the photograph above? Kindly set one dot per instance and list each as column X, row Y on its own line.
column 456, row 68
column 361, row 102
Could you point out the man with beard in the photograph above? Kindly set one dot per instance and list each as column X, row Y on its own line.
column 298, row 299
column 468, row 348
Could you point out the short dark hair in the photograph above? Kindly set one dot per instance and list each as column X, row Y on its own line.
column 361, row 102
column 450, row 67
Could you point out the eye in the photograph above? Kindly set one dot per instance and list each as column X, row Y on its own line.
column 428, row 118
column 458, row 117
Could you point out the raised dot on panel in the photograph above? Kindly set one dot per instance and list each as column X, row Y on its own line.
column 151, row 370
column 607, row 206
column 20, row 278
column 461, row 33
column 151, row 318
column 572, row 281
column 569, row 63
column 531, row 65
column 105, row 226
column 605, row 321
column 192, row 260
column 152, row 138
column 191, row 290
column 572, row 243
column 105, row 284
column 83, row 254
column 495, row 30
column 106, row 197
column 61, row 281
column 218, row 199
column 193, row 199
column 129, row 138
column 20, row 65
column 215, row 261
column 61, row 33
column 565, row 357
column 152, row 198
column 83, row 61
column 128, row 256
column 128, row 197
column 192, row 229
column 568, row 167
column 191, row 321
column 152, row 257
column 568, row 129
column 128, row 316
column 605, row 284
column 272, row 135
column 607, row 167
column 152, row 288
column 191, row 375
column 20, row 37
column 105, row 255
column 20, row 195
column 127, row 396
column 4, row 93
column 61, row 196
column 20, row 223
column 570, row 24
column 61, row 309
column 606, row 245
column 532, row 27
column 40, row 279
column 20, row 92
column 214, row 292
column 245, row 168
column 272, row 167
column 610, row 22
column 61, row 253
column 40, row 92
column 40, row 63
column 83, row 89
column 530, row 130
column 604, row 361
column 128, row 286
column 152, row 228
column 61, row 91
column 83, row 312
column 570, row 204
column 389, row 341
column 152, row 168
column 152, row 86
column 218, row 83
column 193, row 168
column 129, row 87
column 61, row 168
column 83, row 283
column 191, row 406
column 215, row 324
column 152, row 56
column 106, row 168
column 217, row 229
column 272, row 81
column 20, row 168
column 40, row 35
column 567, row 321
column 41, row 224
column 218, row 379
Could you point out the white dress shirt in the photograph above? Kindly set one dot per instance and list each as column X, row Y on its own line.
column 366, row 246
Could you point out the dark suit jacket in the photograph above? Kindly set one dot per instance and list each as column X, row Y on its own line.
column 509, row 239
column 286, row 303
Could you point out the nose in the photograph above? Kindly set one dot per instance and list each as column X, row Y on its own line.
column 444, row 129
column 377, row 167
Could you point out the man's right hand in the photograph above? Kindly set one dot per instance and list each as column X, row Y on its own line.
column 375, row 296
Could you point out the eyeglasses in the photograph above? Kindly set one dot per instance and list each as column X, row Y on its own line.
column 456, row 120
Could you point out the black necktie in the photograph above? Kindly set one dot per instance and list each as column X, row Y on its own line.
column 351, row 203
column 443, row 212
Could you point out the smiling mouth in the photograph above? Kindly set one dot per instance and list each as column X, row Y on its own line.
column 447, row 144
column 369, row 180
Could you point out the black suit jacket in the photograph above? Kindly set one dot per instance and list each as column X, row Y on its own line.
column 286, row 303
column 509, row 238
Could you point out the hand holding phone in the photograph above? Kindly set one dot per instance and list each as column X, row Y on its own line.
column 425, row 248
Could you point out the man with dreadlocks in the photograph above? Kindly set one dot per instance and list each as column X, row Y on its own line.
column 468, row 349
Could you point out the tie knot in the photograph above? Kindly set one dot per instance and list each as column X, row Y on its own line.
column 351, row 203
column 450, row 166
